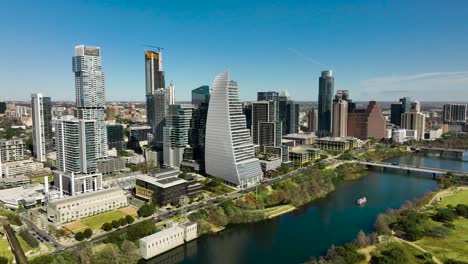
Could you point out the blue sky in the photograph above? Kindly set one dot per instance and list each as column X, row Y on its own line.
column 378, row 50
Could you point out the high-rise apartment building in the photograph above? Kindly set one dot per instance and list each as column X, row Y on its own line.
column 42, row 126
column 414, row 119
column 90, row 93
column 340, row 116
column 367, row 123
column 312, row 120
column 176, row 134
column 455, row 113
column 325, row 107
column 230, row 154
column 12, row 150
column 158, row 98
column 266, row 129
column 75, row 145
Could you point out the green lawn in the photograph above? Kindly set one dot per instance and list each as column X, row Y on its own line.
column 96, row 222
column 461, row 197
column 454, row 246
column 4, row 250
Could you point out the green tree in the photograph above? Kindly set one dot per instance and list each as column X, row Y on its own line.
column 107, row 227
column 146, row 210
column 88, row 233
column 130, row 219
column 79, row 236
column 445, row 215
column 30, row 239
column 115, row 224
column 123, row 221
column 3, row 260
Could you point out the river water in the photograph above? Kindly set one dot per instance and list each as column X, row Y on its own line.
column 312, row 229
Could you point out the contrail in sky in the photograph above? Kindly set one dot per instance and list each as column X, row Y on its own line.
column 307, row 58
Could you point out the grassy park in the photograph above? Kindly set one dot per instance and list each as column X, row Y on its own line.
column 96, row 222
column 455, row 245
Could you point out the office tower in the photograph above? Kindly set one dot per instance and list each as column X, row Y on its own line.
column 247, row 111
column 157, row 107
column 266, row 129
column 171, row 91
column 115, row 137
column 288, row 113
column 326, row 84
column 455, row 113
column 201, row 95
column 42, row 126
column 312, row 120
column 367, row 123
column 230, row 153
column 197, row 132
column 396, row 110
column 340, row 115
column 176, row 133
column 267, row 96
column 157, row 98
column 90, row 94
column 75, row 145
column 414, row 119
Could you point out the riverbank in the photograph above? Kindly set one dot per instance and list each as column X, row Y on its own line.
column 440, row 235
column 382, row 152
column 276, row 200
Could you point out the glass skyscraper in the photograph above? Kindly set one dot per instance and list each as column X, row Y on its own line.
column 325, row 105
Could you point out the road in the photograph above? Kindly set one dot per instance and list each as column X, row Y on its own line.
column 41, row 235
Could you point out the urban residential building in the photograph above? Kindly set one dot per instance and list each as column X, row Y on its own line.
column 111, row 165
column 312, row 120
column 396, row 110
column 325, row 108
column 71, row 183
column 229, row 152
column 176, row 134
column 266, row 129
column 90, row 93
column 414, row 120
column 19, row 167
column 340, row 115
column 403, row 135
column 367, row 123
column 455, row 113
column 42, row 126
column 75, row 145
column 12, row 150
column 74, row 208
column 302, row 154
column 331, row 143
column 288, row 113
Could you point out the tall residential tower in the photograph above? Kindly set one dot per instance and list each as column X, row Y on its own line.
column 42, row 126
column 90, row 93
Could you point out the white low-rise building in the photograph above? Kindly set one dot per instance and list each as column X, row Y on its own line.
column 403, row 135
column 26, row 196
column 13, row 168
column 73, row 208
column 167, row 239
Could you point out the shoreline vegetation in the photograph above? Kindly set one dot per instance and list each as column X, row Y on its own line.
column 277, row 199
column 431, row 229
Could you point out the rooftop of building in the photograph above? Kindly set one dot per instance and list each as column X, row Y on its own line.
column 300, row 136
column 87, row 195
column 20, row 162
column 162, row 183
column 339, row 139
column 168, row 231
column 13, row 195
column 303, row 149
column 165, row 173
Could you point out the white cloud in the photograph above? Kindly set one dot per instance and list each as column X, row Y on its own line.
column 437, row 86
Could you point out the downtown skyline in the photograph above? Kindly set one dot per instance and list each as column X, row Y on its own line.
column 409, row 59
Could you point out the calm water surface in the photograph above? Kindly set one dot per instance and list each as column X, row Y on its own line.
column 309, row 231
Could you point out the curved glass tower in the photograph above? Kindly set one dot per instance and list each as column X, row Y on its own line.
column 229, row 152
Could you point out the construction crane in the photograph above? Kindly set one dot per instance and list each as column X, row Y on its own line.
column 150, row 46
